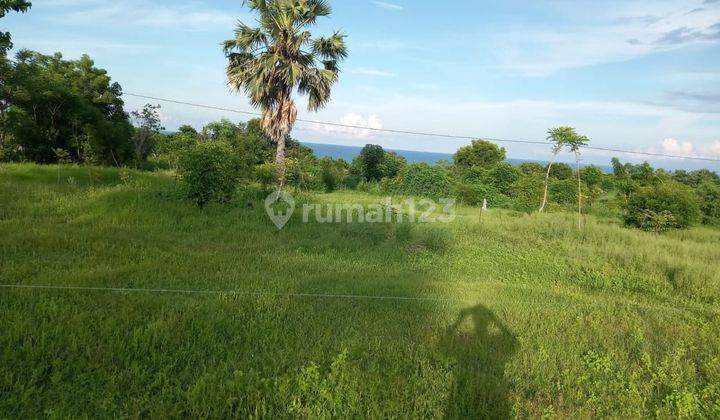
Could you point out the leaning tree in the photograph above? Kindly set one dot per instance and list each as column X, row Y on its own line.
column 279, row 57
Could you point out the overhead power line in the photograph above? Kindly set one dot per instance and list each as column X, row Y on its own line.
column 421, row 133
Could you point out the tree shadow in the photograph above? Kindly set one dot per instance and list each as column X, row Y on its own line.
column 481, row 346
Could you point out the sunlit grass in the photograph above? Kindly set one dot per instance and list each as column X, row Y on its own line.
column 525, row 315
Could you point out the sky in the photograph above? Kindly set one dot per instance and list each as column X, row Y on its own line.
column 634, row 75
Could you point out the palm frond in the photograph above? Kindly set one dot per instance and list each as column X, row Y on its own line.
column 332, row 47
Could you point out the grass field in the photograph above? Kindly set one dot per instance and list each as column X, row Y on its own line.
column 502, row 315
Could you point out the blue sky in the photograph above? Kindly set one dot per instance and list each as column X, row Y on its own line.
column 638, row 75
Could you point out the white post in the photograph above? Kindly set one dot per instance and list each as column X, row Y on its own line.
column 484, row 204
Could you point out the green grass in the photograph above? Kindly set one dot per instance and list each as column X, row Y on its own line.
column 518, row 315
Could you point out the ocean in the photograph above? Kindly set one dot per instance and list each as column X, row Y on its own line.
column 349, row 153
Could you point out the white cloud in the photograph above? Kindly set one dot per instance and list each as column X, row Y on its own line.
column 135, row 13
column 601, row 33
column 389, row 6
column 674, row 147
column 357, row 125
column 712, row 150
column 367, row 71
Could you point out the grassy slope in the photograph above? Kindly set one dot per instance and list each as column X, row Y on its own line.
column 531, row 316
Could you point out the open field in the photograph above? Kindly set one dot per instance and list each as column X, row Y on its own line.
column 502, row 315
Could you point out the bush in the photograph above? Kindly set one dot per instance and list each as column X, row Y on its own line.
column 562, row 171
column 674, row 203
column 527, row 193
column 210, row 172
column 502, row 176
column 474, row 194
column 564, row 192
column 265, row 174
column 709, row 193
column 424, row 180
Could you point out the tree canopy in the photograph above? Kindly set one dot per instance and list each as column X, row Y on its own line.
column 51, row 105
column 6, row 6
column 480, row 153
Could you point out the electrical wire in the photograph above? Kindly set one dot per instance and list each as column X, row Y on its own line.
column 424, row 134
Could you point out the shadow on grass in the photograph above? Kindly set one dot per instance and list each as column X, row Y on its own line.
column 481, row 346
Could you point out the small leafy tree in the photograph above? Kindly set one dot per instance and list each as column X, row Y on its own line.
column 480, row 153
column 210, row 172
column 370, row 162
column 562, row 137
column 147, row 127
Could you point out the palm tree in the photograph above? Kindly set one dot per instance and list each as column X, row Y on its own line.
column 269, row 63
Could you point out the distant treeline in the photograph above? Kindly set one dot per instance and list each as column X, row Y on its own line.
column 68, row 111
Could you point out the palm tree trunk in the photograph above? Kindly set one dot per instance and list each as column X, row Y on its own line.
column 547, row 181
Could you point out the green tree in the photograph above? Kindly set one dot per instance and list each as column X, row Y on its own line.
column 562, row 137
column 280, row 56
column 223, row 130
column 6, row 6
column 671, row 204
column 709, row 193
column 370, row 162
column 71, row 105
column 480, row 153
column 531, row 168
column 592, row 175
column 392, row 164
column 147, row 127
column 559, row 137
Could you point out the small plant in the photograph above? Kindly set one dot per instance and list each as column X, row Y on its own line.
column 210, row 172
column 657, row 222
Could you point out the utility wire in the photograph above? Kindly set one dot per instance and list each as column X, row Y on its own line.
column 423, row 134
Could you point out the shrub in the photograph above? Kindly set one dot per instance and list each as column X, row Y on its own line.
column 651, row 205
column 656, row 222
column 210, row 172
column 709, row 193
column 527, row 193
column 532, row 168
column 330, row 174
column 562, row 171
column 474, row 194
column 502, row 176
column 265, row 174
column 563, row 192
column 422, row 179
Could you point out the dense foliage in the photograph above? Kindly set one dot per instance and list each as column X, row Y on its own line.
column 210, row 172
column 664, row 205
column 5, row 7
column 55, row 109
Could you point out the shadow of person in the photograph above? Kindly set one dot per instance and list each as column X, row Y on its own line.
column 480, row 345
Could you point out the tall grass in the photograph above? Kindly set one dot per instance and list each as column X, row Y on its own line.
column 522, row 315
